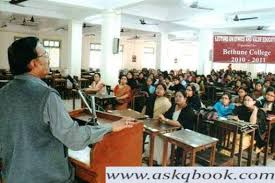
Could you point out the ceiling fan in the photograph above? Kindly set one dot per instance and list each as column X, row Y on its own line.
column 29, row 22
column 122, row 30
column 61, row 29
column 236, row 18
column 260, row 28
column 195, row 5
column 85, row 25
column 17, row 2
column 134, row 38
column 143, row 22
column 3, row 26
column 89, row 34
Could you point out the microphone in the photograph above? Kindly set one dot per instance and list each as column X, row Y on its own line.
column 73, row 81
column 83, row 96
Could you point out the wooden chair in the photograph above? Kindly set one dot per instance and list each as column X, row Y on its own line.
column 138, row 101
column 108, row 89
column 84, row 83
column 60, row 84
column 227, row 135
column 267, row 140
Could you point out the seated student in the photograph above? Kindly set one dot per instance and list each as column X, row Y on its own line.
column 258, row 91
column 159, row 80
column 239, row 99
column 97, row 85
column 267, row 84
column 180, row 115
column 224, row 107
column 249, row 112
column 201, row 87
column 267, row 104
column 141, row 80
column 123, row 93
column 245, row 86
column 237, row 86
column 157, row 104
column 177, row 86
column 131, row 81
column 168, row 82
column 193, row 98
column 149, row 88
column 183, row 77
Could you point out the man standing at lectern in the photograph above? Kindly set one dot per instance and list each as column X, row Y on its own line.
column 35, row 129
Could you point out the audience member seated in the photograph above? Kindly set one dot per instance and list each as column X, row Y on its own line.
column 180, row 115
column 237, row 86
column 267, row 104
column 149, row 88
column 224, row 107
column 246, row 85
column 183, row 77
column 200, row 82
column 157, row 104
column 258, row 91
column 168, row 83
column 177, row 86
column 239, row 99
column 267, row 84
column 123, row 93
column 141, row 80
column 97, row 85
column 131, row 81
column 159, row 80
column 151, row 75
column 249, row 112
column 193, row 98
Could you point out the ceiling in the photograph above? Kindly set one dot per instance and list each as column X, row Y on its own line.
column 172, row 16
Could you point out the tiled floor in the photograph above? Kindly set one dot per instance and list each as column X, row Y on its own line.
column 69, row 107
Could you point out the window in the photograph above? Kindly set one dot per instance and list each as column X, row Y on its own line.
column 121, row 47
column 149, row 57
column 95, row 55
column 53, row 48
column 17, row 38
column 96, row 46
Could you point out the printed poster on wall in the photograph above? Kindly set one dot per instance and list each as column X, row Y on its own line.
column 244, row 49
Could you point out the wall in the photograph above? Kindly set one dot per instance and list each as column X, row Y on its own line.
column 130, row 47
column 185, row 54
column 134, row 47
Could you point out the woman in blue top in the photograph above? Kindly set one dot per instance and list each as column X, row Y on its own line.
column 224, row 107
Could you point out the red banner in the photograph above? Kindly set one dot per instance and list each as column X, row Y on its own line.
column 244, row 49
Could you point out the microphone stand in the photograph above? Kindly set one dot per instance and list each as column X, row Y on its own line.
column 83, row 96
column 92, row 110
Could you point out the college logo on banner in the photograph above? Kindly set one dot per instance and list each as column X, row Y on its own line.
column 244, row 49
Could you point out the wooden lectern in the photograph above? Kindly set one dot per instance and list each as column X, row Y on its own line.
column 123, row 148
